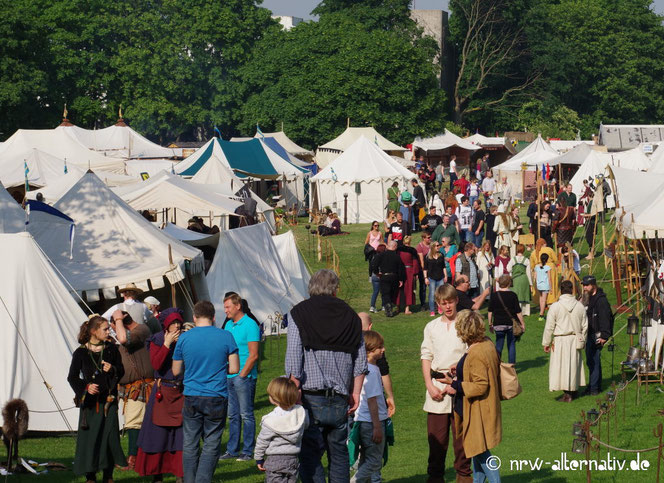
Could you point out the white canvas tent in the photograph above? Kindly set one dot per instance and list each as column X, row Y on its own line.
column 535, row 154
column 247, row 262
column 329, row 151
column 119, row 141
column 288, row 144
column 362, row 165
column 189, row 237
column 12, row 216
column 292, row 179
column 57, row 187
column 115, row 245
column 181, row 197
column 293, row 261
column 137, row 167
column 43, row 168
column 214, row 168
column 442, row 141
column 40, row 322
column 61, row 145
column 632, row 187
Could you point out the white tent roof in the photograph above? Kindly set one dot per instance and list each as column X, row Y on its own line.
column 293, row 261
column 216, row 169
column 535, row 154
column 632, row 159
column 247, row 262
column 575, row 156
column 363, row 161
column 167, row 190
column 189, row 237
column 282, row 166
column 632, row 187
column 43, row 168
column 119, row 141
column 351, row 134
column 135, row 167
column 57, row 187
column 443, row 141
column 114, row 244
column 287, row 143
column 12, row 216
column 644, row 218
column 61, row 145
column 564, row 145
column 481, row 140
column 36, row 305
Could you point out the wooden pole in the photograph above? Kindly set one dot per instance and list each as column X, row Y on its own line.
column 170, row 260
column 539, row 210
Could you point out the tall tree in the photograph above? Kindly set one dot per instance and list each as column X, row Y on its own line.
column 602, row 58
column 490, row 52
column 317, row 75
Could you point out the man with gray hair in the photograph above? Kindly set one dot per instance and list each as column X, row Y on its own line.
column 326, row 359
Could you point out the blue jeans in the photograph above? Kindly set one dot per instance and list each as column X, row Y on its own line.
column 375, row 283
column 477, row 239
column 241, row 392
column 202, row 416
column 511, row 344
column 487, row 202
column 453, row 178
column 371, row 454
column 433, row 285
column 594, row 361
column 472, row 199
column 483, row 470
column 327, row 431
column 466, row 235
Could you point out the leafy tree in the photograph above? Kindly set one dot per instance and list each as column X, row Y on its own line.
column 317, row 75
column 602, row 58
column 551, row 121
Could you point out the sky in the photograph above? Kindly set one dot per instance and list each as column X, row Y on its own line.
column 302, row 8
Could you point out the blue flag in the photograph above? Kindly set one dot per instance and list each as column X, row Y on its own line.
column 258, row 130
column 217, row 131
column 27, row 172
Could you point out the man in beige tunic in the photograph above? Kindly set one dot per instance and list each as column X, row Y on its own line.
column 441, row 350
column 565, row 338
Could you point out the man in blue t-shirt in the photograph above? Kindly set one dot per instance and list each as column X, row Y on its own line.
column 207, row 355
column 242, row 386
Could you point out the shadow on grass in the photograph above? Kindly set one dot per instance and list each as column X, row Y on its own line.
column 539, row 361
column 542, row 476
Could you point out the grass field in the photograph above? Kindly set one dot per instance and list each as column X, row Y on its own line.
column 536, row 428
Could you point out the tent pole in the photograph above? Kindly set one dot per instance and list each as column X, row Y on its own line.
column 170, row 260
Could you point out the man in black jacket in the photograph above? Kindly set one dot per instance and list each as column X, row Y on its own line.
column 392, row 273
column 420, row 202
column 600, row 329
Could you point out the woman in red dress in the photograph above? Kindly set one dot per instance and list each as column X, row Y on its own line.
column 410, row 259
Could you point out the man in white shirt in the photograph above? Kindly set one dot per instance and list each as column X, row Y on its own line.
column 464, row 213
column 139, row 312
column 453, row 171
column 441, row 350
column 488, row 188
column 504, row 194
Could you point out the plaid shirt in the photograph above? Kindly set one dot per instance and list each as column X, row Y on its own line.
column 323, row 369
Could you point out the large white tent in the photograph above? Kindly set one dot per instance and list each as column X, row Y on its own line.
column 12, row 216
column 632, row 187
column 115, row 245
column 40, row 322
column 288, row 144
column 181, row 197
column 247, row 262
column 43, row 168
column 534, row 155
column 364, row 167
column 329, row 151
column 292, row 260
column 57, row 187
column 60, row 144
column 119, row 141
column 442, row 141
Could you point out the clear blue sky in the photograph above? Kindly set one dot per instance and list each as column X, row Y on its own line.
column 302, row 8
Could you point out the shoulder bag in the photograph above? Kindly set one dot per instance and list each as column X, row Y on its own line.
column 509, row 382
column 517, row 328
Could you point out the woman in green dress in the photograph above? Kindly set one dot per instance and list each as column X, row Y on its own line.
column 519, row 267
column 95, row 370
column 393, row 197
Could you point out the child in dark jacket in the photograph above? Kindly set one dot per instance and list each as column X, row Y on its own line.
column 280, row 439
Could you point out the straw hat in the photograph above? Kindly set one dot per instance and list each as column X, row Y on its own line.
column 131, row 287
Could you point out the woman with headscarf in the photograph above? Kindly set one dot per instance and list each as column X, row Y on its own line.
column 535, row 256
column 160, row 439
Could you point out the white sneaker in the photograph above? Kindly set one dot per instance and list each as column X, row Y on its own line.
column 372, row 310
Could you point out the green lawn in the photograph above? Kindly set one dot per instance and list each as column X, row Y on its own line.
column 535, row 425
